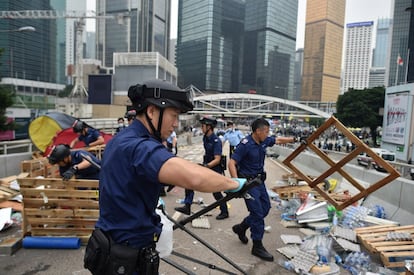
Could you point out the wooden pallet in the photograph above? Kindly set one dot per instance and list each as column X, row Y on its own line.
column 392, row 253
column 7, row 193
column 53, row 207
column 291, row 191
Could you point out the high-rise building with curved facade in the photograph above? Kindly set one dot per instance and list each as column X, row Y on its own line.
column 145, row 27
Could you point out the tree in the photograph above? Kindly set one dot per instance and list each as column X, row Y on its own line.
column 6, row 100
column 66, row 92
column 361, row 108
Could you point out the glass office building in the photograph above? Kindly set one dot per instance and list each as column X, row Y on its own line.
column 145, row 28
column 381, row 42
column 209, row 44
column 237, row 46
column 402, row 40
column 269, row 47
column 28, row 55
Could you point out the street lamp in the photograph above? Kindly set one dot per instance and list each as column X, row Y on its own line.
column 21, row 29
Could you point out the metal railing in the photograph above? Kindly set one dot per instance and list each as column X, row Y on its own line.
column 16, row 146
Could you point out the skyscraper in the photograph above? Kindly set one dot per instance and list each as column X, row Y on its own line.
column 357, row 55
column 28, row 55
column 237, row 45
column 269, row 47
column 145, row 28
column 380, row 53
column 209, row 44
column 297, row 84
column 381, row 43
column 60, row 5
column 323, row 50
column 397, row 69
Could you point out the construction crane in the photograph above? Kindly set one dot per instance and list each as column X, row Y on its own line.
column 79, row 89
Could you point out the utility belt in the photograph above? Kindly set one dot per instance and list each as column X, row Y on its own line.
column 222, row 164
column 250, row 177
column 104, row 257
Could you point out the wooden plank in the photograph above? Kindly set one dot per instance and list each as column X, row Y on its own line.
column 338, row 166
column 62, row 212
column 60, row 193
column 395, row 259
column 54, row 203
column 57, row 183
column 52, row 221
column 396, row 248
column 369, row 228
column 384, row 228
column 7, row 193
column 17, row 206
column 53, row 207
column 391, row 243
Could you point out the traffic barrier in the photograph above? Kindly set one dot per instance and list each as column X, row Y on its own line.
column 51, row 242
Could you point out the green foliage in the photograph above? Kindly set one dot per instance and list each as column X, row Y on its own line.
column 361, row 108
column 6, row 100
column 66, row 92
column 316, row 121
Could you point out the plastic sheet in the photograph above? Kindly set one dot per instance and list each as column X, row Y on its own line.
column 51, row 242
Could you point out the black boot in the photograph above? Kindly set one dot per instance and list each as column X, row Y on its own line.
column 240, row 230
column 261, row 252
column 222, row 216
column 186, row 209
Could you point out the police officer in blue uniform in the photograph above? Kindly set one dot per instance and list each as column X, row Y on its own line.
column 134, row 167
column 233, row 136
column 130, row 116
column 79, row 163
column 212, row 160
column 248, row 161
column 90, row 136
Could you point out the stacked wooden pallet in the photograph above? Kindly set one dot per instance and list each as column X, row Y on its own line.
column 52, row 207
column 39, row 167
column 392, row 252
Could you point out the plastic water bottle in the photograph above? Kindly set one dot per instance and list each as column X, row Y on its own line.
column 335, row 220
column 323, row 253
column 286, row 264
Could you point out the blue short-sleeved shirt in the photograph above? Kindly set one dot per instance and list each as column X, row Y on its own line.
column 250, row 156
column 170, row 138
column 129, row 186
column 90, row 173
column 212, row 147
column 234, row 136
column 91, row 136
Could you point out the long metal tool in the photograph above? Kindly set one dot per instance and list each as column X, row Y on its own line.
column 181, row 225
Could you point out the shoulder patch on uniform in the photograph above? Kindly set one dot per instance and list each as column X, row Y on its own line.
column 244, row 141
column 216, row 140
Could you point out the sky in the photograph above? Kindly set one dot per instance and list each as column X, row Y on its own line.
column 356, row 11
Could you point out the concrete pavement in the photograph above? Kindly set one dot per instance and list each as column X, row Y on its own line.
column 219, row 236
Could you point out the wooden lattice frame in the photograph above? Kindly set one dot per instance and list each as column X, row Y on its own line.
column 337, row 166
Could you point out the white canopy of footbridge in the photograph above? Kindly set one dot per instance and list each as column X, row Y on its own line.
column 241, row 104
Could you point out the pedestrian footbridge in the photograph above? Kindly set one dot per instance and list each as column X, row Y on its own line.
column 242, row 104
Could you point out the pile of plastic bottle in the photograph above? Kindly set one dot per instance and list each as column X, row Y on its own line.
column 357, row 262
column 354, row 216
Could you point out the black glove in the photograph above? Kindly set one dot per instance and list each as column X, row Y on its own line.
column 68, row 174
